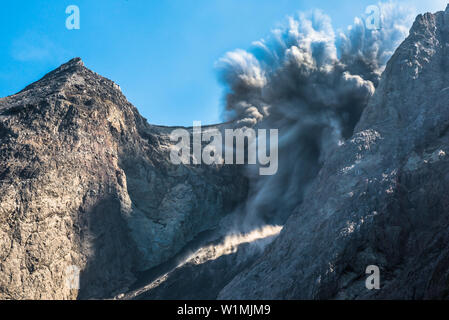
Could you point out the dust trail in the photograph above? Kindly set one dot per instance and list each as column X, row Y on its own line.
column 258, row 239
column 232, row 242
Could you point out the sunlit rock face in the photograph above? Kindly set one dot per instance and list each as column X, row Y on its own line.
column 86, row 184
column 380, row 199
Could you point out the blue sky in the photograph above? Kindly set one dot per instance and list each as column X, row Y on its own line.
column 161, row 52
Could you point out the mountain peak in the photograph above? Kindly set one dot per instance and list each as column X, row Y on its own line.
column 72, row 73
column 72, row 66
column 75, row 62
column 59, row 75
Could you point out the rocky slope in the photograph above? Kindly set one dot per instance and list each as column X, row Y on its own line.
column 380, row 199
column 86, row 183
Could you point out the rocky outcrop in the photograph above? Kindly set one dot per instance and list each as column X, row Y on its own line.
column 381, row 197
column 86, row 184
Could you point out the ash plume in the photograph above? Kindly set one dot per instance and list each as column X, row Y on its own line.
column 312, row 83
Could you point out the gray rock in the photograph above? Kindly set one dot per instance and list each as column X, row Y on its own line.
column 380, row 199
column 86, row 182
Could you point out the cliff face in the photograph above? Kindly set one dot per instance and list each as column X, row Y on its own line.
column 380, row 199
column 86, row 183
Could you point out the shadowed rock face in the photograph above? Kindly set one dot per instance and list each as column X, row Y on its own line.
column 85, row 181
column 380, row 199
